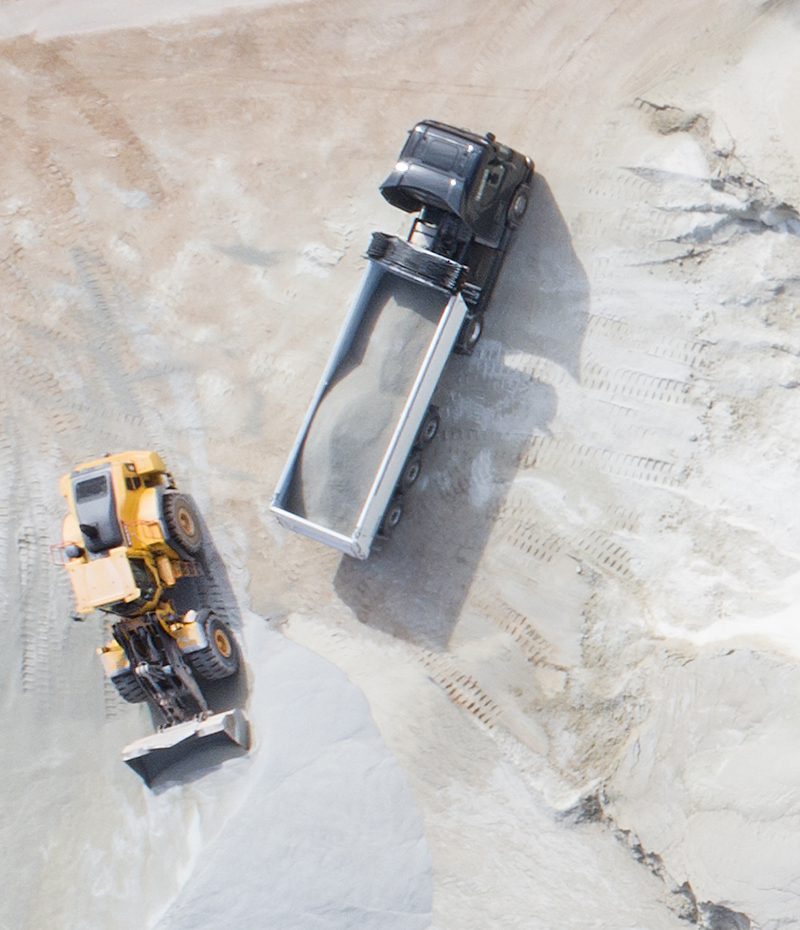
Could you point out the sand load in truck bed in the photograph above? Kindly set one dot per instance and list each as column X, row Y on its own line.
column 356, row 417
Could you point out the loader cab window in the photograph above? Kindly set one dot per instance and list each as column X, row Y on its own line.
column 91, row 488
column 96, row 510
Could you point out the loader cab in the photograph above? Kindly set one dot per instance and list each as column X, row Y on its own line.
column 95, row 506
column 442, row 169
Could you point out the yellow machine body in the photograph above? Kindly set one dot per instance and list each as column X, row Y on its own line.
column 108, row 578
column 127, row 539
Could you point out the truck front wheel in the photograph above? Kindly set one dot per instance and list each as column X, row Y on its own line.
column 518, row 206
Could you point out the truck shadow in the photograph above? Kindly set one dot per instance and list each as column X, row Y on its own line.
column 492, row 404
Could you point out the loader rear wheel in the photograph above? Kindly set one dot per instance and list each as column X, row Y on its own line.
column 220, row 658
column 129, row 688
column 183, row 522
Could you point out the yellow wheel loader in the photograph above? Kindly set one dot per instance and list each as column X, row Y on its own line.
column 128, row 538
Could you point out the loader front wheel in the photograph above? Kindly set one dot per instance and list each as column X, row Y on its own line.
column 129, row 688
column 183, row 522
column 220, row 658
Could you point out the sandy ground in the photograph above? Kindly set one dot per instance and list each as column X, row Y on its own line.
column 580, row 647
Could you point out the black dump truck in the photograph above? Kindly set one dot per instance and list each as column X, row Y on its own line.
column 470, row 193
column 359, row 449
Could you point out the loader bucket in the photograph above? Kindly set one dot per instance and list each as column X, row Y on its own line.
column 212, row 740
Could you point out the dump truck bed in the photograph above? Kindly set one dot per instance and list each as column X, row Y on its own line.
column 368, row 407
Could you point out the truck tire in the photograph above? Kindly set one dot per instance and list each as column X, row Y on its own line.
column 183, row 522
column 129, row 688
column 411, row 471
column 392, row 517
column 471, row 332
column 518, row 206
column 220, row 658
column 378, row 245
column 429, row 428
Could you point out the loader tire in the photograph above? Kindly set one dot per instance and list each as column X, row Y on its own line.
column 220, row 658
column 183, row 522
column 128, row 688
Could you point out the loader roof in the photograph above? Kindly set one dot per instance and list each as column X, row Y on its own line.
column 143, row 461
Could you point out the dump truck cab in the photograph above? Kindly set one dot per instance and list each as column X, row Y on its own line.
column 471, row 178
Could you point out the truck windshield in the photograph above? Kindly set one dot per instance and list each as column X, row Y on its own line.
column 449, row 156
column 439, row 153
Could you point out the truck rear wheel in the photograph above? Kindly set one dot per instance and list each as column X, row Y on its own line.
column 220, row 658
column 183, row 522
column 429, row 428
column 129, row 688
column 392, row 517
column 471, row 332
column 411, row 471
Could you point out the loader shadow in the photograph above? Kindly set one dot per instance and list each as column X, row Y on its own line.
column 194, row 763
column 492, row 404
column 210, row 588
